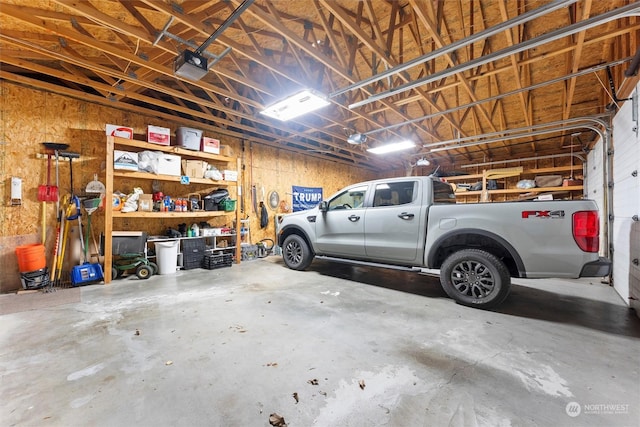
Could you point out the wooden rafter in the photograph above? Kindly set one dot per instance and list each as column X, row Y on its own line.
column 112, row 53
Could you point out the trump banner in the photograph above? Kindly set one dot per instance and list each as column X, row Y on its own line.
column 306, row 197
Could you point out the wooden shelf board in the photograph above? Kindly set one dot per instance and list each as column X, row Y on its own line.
column 520, row 190
column 462, row 177
column 169, row 149
column 158, row 215
column 478, row 176
column 146, row 175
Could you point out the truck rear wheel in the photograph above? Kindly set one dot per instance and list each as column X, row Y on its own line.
column 475, row 278
column 296, row 253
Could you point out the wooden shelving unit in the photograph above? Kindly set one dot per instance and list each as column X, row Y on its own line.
column 199, row 183
column 485, row 195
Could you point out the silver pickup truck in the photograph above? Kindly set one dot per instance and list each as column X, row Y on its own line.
column 414, row 223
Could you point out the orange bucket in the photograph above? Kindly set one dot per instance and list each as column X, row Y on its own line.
column 31, row 257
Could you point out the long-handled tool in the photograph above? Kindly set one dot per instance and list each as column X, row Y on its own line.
column 96, row 246
column 87, row 272
column 75, row 201
column 56, row 147
column 57, row 248
column 60, row 245
column 47, row 193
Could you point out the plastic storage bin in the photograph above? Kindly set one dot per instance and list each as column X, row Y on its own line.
column 189, row 138
column 213, row 261
column 167, row 256
column 193, row 252
column 228, row 205
column 35, row 279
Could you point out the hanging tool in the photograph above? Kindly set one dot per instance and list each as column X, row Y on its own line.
column 95, row 186
column 75, row 201
column 65, row 237
column 47, row 193
column 96, row 246
column 56, row 147
column 58, row 245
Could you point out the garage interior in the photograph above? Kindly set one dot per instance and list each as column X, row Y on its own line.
column 486, row 91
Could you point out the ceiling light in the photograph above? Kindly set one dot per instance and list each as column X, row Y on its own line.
column 357, row 138
column 423, row 162
column 389, row 148
column 296, row 105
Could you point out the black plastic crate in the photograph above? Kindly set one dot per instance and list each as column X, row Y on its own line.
column 211, row 261
column 193, row 262
column 35, row 279
column 193, row 246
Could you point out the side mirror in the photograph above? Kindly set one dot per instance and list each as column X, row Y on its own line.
column 323, row 206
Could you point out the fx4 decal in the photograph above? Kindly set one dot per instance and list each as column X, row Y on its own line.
column 543, row 214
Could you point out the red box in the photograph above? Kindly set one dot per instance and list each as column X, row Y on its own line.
column 158, row 135
column 210, row 145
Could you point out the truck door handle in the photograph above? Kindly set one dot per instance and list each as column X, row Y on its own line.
column 405, row 215
column 353, row 218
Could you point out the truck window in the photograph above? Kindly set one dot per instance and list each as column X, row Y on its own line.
column 349, row 199
column 394, row 193
column 443, row 193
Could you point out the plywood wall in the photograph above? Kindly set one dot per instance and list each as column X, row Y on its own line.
column 269, row 169
column 30, row 117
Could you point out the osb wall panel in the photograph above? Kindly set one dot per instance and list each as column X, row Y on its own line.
column 30, row 117
column 270, row 169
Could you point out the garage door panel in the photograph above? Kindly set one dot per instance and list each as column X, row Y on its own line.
column 622, row 252
column 634, row 270
column 625, row 165
column 626, row 201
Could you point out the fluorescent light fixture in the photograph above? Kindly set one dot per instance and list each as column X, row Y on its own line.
column 389, row 148
column 296, row 105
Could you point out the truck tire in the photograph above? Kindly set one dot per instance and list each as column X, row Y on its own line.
column 296, row 253
column 475, row 278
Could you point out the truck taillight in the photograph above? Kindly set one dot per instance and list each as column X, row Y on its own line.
column 586, row 230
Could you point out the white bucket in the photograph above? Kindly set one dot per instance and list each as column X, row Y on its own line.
column 167, row 256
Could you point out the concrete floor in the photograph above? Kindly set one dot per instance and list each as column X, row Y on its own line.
column 357, row 346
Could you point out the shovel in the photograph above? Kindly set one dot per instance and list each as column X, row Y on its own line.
column 47, row 193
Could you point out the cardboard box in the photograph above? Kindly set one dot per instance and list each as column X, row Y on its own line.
column 225, row 150
column 158, row 135
column 168, row 164
column 188, row 138
column 230, row 175
column 125, row 160
column 120, row 131
column 145, row 203
column 194, row 168
column 210, row 145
